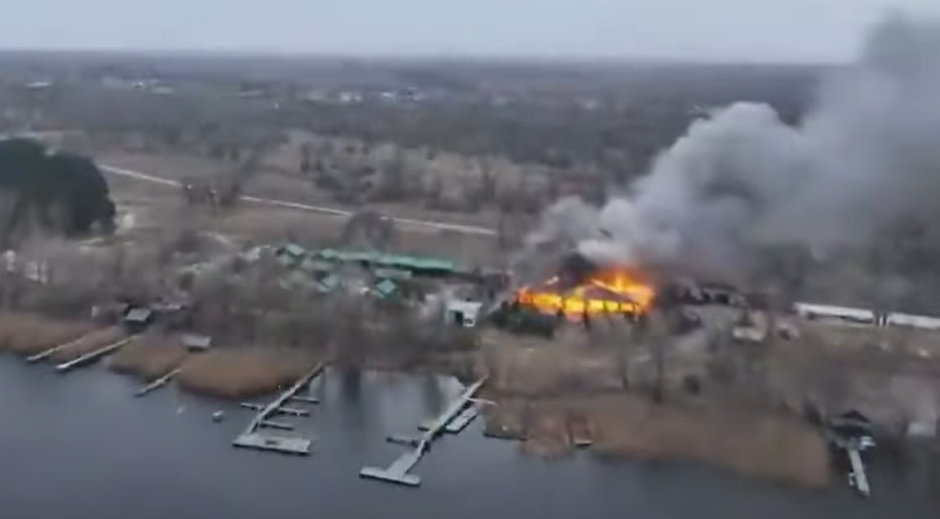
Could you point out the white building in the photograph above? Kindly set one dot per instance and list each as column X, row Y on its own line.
column 462, row 313
column 835, row 313
column 921, row 322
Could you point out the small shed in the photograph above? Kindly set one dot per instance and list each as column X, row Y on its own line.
column 462, row 313
column 195, row 342
column 136, row 319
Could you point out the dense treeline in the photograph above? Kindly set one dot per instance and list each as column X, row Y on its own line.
column 616, row 124
column 42, row 191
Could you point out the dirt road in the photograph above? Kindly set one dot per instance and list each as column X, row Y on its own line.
column 342, row 213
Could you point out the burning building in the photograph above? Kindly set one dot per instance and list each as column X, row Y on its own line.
column 581, row 288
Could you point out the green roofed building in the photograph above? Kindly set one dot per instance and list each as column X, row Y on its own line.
column 413, row 264
column 290, row 254
column 386, row 288
column 328, row 284
column 315, row 266
column 391, row 273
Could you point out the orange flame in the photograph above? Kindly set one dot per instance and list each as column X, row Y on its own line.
column 611, row 291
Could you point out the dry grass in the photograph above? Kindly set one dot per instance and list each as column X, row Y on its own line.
column 150, row 357
column 91, row 342
column 28, row 334
column 566, row 365
column 754, row 445
column 506, row 419
column 547, row 434
column 241, row 373
column 764, row 446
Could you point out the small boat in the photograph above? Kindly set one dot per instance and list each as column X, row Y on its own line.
column 218, row 416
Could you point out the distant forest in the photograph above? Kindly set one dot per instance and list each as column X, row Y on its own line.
column 49, row 192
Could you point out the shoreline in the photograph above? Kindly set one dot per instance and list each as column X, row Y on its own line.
column 618, row 423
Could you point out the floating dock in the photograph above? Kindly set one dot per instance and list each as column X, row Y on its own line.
column 271, row 424
column 253, row 439
column 281, row 410
column 463, row 420
column 398, row 471
column 458, row 424
column 158, row 383
column 284, row 445
column 93, row 356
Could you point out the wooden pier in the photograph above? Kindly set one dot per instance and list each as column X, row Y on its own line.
column 457, row 412
column 253, row 439
column 857, row 477
column 43, row 355
column 281, row 444
column 94, row 355
column 305, row 399
column 272, row 424
column 158, row 383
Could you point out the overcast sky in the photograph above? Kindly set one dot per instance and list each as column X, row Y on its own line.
column 714, row 30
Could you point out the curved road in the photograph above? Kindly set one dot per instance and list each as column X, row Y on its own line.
column 427, row 224
column 146, row 177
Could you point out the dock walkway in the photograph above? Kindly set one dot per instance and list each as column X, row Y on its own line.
column 158, row 383
column 457, row 413
column 94, row 355
column 253, row 439
column 43, row 355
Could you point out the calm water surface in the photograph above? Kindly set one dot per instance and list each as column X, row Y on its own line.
column 80, row 446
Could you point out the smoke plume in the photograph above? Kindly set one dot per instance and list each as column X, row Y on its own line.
column 866, row 154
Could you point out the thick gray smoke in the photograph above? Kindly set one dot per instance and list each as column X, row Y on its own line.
column 866, row 154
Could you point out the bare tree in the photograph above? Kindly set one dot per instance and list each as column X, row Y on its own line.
column 370, row 228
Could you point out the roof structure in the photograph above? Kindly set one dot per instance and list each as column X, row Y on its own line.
column 312, row 265
column 386, row 288
column 391, row 273
column 294, row 250
column 138, row 315
column 328, row 284
column 396, row 261
column 837, row 312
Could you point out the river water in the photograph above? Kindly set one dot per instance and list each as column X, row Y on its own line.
column 80, row 446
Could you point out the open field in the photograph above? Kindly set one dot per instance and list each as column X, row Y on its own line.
column 274, row 184
column 157, row 206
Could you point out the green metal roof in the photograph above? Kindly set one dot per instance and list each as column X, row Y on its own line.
column 391, row 273
column 389, row 260
column 314, row 265
column 294, row 250
column 386, row 287
column 328, row 284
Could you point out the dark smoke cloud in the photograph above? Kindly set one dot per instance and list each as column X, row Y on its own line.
column 867, row 154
